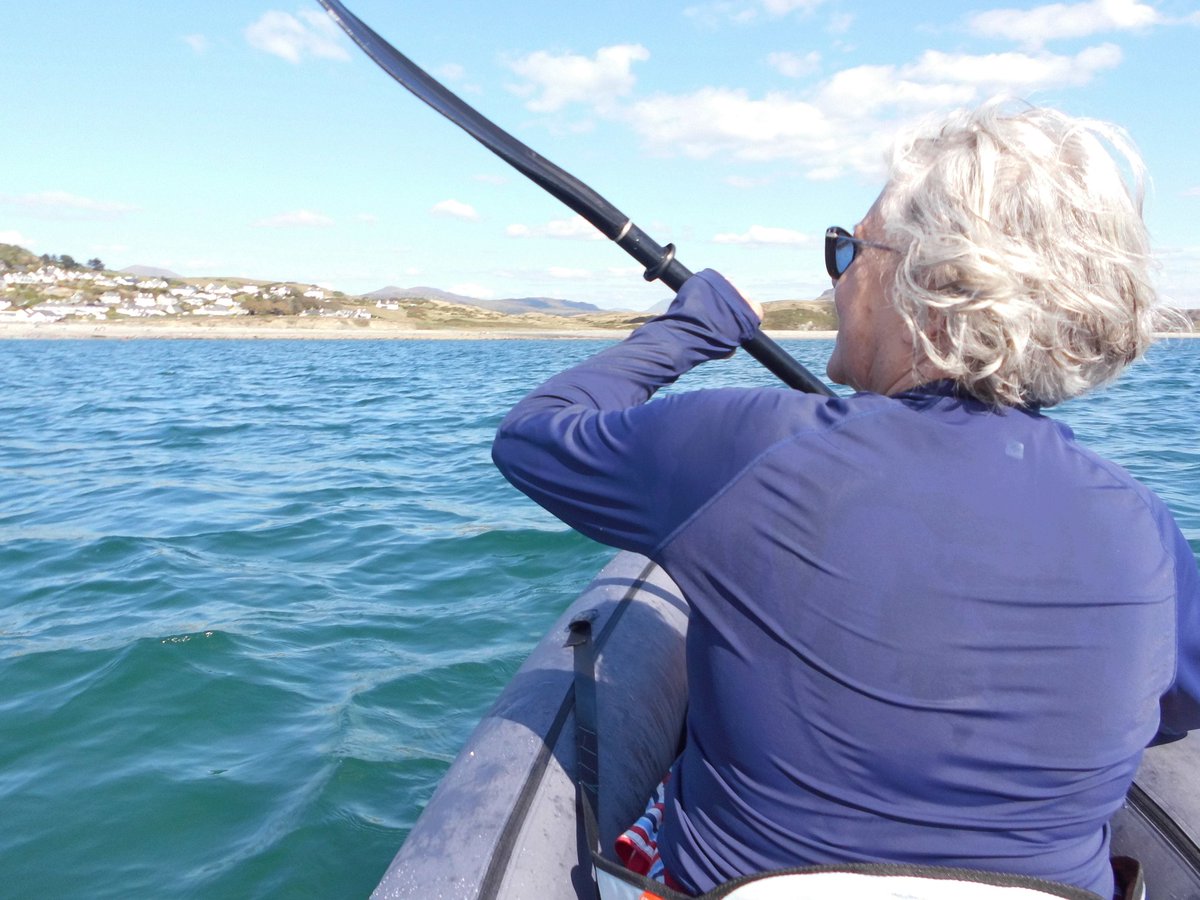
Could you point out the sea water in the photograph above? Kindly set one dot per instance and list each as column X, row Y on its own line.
column 255, row 594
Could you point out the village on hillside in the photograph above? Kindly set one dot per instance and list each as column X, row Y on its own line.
column 37, row 290
column 51, row 293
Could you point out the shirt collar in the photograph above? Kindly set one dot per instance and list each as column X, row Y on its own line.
column 944, row 387
column 947, row 387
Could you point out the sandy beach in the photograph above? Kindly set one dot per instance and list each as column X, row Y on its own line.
column 308, row 328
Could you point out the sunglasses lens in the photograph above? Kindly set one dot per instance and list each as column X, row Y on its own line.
column 843, row 254
column 840, row 250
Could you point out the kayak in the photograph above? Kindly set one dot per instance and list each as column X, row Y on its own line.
column 502, row 823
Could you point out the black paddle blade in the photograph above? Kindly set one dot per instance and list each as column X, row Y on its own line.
column 659, row 261
column 567, row 188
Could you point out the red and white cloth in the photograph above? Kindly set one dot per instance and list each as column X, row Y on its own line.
column 637, row 848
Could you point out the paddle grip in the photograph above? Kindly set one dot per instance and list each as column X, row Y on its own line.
column 661, row 264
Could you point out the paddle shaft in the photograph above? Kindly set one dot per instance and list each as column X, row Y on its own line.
column 659, row 261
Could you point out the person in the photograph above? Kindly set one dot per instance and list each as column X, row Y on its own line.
column 927, row 625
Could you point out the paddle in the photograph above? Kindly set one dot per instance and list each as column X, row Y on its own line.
column 659, row 261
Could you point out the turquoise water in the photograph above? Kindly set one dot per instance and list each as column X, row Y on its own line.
column 255, row 594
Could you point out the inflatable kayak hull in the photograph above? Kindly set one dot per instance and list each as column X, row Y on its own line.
column 502, row 823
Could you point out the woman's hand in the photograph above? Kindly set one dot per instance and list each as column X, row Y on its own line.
column 753, row 304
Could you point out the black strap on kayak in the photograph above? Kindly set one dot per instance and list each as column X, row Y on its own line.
column 587, row 751
column 587, row 754
column 587, row 768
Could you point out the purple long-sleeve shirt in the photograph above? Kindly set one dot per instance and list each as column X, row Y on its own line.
column 921, row 630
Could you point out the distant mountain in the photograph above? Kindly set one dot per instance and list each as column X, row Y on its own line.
column 391, row 292
column 514, row 306
column 550, row 306
column 150, row 272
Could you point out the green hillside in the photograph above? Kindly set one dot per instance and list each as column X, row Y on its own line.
column 16, row 257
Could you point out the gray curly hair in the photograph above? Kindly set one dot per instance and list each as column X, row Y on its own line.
column 1024, row 269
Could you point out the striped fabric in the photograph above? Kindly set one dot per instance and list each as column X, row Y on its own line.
column 637, row 848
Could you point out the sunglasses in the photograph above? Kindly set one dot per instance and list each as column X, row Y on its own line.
column 842, row 248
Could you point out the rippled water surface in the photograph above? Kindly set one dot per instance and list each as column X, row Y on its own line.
column 255, row 594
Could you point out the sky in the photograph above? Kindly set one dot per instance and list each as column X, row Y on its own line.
column 252, row 139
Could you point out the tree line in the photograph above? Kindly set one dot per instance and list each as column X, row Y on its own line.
column 66, row 261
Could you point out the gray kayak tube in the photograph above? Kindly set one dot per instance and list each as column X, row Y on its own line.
column 502, row 823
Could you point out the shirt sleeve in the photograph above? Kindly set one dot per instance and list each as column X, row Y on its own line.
column 588, row 447
column 1180, row 705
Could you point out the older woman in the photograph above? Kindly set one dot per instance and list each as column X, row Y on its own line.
column 927, row 625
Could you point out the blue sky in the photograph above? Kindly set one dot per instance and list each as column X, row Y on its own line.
column 251, row 139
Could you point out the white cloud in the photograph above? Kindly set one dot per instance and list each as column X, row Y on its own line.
column 763, row 235
column 15, row 237
column 198, row 42
column 793, row 65
column 714, row 15
column 778, row 8
column 301, row 218
column 553, row 81
column 456, row 74
column 1192, row 192
column 1034, row 27
column 847, row 121
column 368, row 218
column 575, row 228
column 309, row 33
column 840, row 23
column 1016, row 71
column 716, row 120
column 741, row 12
column 455, row 209
column 62, row 205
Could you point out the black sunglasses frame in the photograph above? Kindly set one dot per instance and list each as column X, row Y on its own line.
column 835, row 236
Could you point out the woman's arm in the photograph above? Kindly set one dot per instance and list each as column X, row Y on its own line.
column 587, row 447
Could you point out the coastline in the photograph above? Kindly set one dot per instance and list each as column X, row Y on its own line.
column 311, row 328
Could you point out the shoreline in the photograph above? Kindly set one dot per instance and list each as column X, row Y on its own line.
column 294, row 328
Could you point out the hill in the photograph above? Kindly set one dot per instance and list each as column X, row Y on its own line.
column 149, row 272
column 514, row 306
column 801, row 315
column 14, row 257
